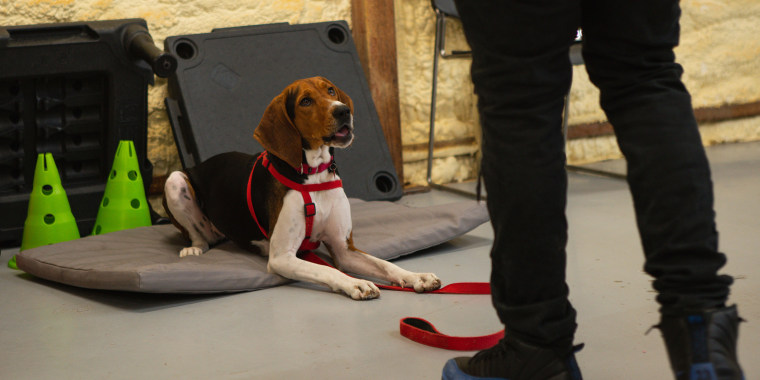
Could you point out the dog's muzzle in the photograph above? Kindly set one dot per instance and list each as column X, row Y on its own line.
column 343, row 125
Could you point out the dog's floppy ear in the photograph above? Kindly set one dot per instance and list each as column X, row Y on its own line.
column 277, row 133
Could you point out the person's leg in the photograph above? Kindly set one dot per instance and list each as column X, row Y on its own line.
column 521, row 73
column 628, row 52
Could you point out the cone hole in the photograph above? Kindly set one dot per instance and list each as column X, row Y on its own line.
column 132, row 175
column 98, row 228
column 113, row 174
column 49, row 219
column 135, row 204
column 105, row 201
column 47, row 189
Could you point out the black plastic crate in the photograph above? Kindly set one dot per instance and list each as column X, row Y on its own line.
column 74, row 90
column 225, row 80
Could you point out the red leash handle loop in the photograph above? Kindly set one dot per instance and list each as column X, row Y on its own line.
column 422, row 331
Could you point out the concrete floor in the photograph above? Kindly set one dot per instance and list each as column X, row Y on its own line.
column 51, row 331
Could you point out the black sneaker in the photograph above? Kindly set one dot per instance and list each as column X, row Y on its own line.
column 513, row 359
column 702, row 344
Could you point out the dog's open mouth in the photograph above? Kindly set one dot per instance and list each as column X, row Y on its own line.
column 343, row 132
column 342, row 135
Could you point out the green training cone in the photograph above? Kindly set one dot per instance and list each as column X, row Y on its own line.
column 124, row 204
column 49, row 219
column 12, row 263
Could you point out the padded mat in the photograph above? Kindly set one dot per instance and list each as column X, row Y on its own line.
column 146, row 259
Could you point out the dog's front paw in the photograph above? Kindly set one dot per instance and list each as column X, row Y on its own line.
column 361, row 289
column 422, row 282
column 191, row 251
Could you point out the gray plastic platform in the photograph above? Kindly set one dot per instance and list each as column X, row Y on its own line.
column 225, row 80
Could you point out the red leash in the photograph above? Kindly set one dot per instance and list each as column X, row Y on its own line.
column 422, row 331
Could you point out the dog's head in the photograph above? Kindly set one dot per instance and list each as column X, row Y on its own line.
column 309, row 113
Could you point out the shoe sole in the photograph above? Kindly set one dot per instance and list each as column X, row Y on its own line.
column 451, row 371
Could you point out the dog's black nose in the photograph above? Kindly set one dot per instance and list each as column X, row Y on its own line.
column 341, row 112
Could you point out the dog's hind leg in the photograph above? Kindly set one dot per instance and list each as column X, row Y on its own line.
column 185, row 212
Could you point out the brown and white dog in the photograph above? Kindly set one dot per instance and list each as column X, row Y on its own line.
column 245, row 198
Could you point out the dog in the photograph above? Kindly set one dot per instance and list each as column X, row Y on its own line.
column 288, row 198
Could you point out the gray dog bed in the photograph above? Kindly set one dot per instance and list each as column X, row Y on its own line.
column 146, row 259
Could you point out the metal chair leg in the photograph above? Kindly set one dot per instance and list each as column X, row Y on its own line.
column 440, row 30
column 440, row 51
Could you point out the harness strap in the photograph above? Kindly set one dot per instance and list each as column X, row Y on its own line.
column 298, row 186
column 422, row 331
column 250, row 202
column 310, row 209
column 306, row 169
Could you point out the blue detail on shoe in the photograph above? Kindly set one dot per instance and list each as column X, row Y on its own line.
column 703, row 371
column 695, row 319
column 699, row 349
column 572, row 364
column 451, row 371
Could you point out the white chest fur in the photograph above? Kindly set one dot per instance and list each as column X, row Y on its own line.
column 332, row 221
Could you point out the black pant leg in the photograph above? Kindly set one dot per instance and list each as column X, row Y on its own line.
column 628, row 52
column 521, row 73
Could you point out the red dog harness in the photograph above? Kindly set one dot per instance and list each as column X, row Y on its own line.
column 416, row 329
column 309, row 208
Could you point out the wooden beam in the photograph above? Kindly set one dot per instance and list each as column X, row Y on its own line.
column 702, row 114
column 464, row 141
column 374, row 34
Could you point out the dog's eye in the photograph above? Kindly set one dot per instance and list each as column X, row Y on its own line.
column 331, row 91
column 305, row 102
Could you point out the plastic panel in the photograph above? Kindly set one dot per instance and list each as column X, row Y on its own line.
column 226, row 78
